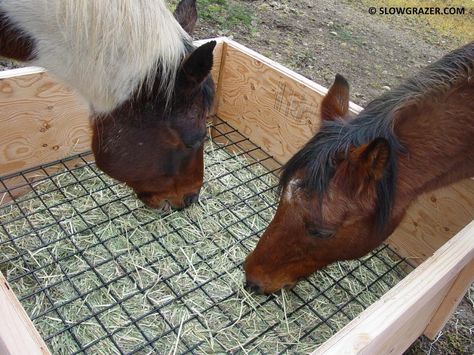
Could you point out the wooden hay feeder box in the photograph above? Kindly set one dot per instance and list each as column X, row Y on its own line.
column 86, row 268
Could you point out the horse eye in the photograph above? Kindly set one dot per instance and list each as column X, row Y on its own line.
column 318, row 233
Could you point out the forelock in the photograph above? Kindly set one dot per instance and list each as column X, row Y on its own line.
column 316, row 162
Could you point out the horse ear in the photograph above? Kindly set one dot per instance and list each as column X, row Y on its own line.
column 186, row 15
column 336, row 102
column 371, row 159
column 197, row 66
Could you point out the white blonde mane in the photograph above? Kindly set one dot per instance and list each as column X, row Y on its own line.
column 106, row 49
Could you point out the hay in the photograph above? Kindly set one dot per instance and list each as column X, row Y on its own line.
column 89, row 258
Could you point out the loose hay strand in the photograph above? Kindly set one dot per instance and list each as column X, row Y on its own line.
column 98, row 272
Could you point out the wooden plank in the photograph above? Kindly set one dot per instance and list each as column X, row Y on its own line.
column 392, row 323
column 432, row 220
column 6, row 74
column 451, row 301
column 268, row 103
column 217, row 55
column 18, row 335
column 40, row 120
column 215, row 72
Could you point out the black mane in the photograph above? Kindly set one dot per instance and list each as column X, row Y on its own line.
column 317, row 158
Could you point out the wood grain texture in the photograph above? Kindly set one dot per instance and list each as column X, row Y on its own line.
column 433, row 219
column 451, row 301
column 392, row 323
column 216, row 65
column 17, row 333
column 40, row 121
column 268, row 103
column 6, row 74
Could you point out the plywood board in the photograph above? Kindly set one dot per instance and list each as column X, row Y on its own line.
column 268, row 103
column 433, row 219
column 451, row 301
column 40, row 120
column 17, row 333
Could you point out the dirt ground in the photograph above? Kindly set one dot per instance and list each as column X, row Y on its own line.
column 321, row 38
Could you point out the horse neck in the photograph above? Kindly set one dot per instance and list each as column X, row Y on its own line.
column 436, row 134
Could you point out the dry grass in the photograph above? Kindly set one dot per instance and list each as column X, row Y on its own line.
column 121, row 277
column 458, row 27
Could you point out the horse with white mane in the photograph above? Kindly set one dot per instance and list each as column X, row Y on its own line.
column 148, row 87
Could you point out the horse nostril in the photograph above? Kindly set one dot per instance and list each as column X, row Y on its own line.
column 190, row 199
column 252, row 287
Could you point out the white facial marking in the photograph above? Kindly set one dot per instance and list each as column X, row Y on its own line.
column 291, row 188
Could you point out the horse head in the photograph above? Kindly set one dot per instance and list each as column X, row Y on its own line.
column 155, row 144
column 328, row 204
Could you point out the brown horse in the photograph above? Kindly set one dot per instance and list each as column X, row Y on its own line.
column 148, row 87
column 348, row 188
column 157, row 149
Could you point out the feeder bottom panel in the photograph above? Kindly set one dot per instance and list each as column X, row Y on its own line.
column 98, row 272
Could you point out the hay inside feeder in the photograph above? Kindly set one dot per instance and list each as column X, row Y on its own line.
column 98, row 272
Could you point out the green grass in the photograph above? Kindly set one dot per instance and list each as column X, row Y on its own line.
column 227, row 14
column 346, row 34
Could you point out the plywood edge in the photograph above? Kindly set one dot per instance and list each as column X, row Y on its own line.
column 11, row 73
column 451, row 301
column 216, row 68
column 18, row 335
column 219, row 40
column 321, row 90
column 5, row 74
column 392, row 323
column 219, row 82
